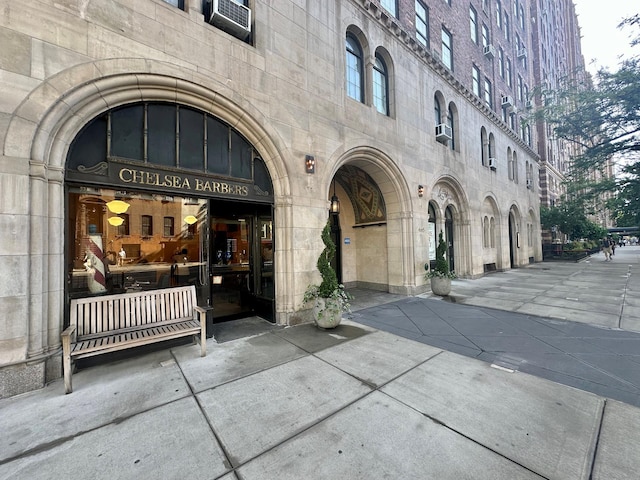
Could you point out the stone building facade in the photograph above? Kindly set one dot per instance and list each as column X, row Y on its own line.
column 153, row 143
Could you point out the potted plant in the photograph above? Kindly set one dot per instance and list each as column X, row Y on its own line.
column 330, row 298
column 440, row 275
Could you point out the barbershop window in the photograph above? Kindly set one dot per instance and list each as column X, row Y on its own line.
column 108, row 255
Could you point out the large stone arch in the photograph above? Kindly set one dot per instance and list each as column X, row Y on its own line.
column 46, row 122
column 492, row 253
column 399, row 248
column 448, row 192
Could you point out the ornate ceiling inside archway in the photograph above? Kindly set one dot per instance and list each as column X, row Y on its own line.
column 364, row 194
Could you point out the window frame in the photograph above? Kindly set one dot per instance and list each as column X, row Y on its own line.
column 353, row 50
column 380, row 80
column 473, row 24
column 390, row 6
column 146, row 225
column 446, row 34
column 423, row 38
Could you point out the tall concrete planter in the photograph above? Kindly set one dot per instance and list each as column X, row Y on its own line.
column 441, row 286
column 327, row 313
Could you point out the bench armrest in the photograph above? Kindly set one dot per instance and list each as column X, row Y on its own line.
column 202, row 317
column 70, row 332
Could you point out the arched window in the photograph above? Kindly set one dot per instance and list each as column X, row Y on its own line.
column 492, row 150
column 509, row 164
column 354, row 71
column 515, row 167
column 484, row 146
column 380, row 86
column 437, row 110
column 492, row 232
column 485, row 232
column 451, row 121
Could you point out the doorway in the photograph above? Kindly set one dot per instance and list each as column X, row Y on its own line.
column 448, row 224
column 241, row 260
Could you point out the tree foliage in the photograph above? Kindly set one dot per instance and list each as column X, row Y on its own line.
column 570, row 219
column 601, row 119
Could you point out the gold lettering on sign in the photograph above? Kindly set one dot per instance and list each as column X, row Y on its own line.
column 142, row 177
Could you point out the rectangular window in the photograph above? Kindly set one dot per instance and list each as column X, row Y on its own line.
column 501, row 62
column 447, row 49
column 473, row 24
column 507, row 29
column 498, row 14
column 485, row 35
column 176, row 3
column 475, row 76
column 422, row 23
column 389, row 6
column 147, row 226
column 488, row 98
column 520, row 89
column 508, row 74
column 169, row 227
column 123, row 228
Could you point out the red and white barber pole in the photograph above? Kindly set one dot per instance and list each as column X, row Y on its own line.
column 94, row 263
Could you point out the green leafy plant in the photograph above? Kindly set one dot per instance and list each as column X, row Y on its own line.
column 329, row 287
column 441, row 268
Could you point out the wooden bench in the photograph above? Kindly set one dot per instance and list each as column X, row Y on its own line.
column 110, row 323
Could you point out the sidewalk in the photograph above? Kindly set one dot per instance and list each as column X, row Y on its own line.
column 353, row 403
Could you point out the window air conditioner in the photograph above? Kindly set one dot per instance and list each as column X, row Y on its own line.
column 522, row 53
column 507, row 101
column 529, row 183
column 443, row 132
column 231, row 16
column 489, row 51
column 493, row 163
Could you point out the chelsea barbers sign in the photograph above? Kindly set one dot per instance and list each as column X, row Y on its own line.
column 189, row 183
column 131, row 176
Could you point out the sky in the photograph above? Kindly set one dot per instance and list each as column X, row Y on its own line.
column 601, row 39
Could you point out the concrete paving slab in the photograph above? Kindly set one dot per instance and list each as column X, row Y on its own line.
column 617, row 455
column 548, row 428
column 311, row 339
column 573, row 345
column 377, row 358
column 241, row 328
column 230, row 361
column 500, row 304
column 258, row 412
column 380, row 438
column 591, row 318
column 451, row 344
column 613, row 308
column 171, row 441
column 102, row 394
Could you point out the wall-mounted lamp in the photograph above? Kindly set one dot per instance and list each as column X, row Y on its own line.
column 420, row 191
column 334, row 209
column 310, row 164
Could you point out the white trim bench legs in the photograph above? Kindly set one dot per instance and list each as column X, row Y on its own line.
column 110, row 323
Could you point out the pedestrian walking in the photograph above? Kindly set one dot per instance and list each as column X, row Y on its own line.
column 606, row 247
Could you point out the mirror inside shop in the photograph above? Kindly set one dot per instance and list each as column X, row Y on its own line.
column 130, row 241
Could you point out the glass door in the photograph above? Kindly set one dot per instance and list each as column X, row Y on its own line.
column 241, row 261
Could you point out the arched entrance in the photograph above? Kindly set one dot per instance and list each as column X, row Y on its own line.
column 372, row 232
column 514, row 237
column 448, row 228
column 186, row 200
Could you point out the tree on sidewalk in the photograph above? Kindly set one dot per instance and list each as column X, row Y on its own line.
column 601, row 119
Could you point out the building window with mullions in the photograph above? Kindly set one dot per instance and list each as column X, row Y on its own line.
column 354, row 71
column 380, row 86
